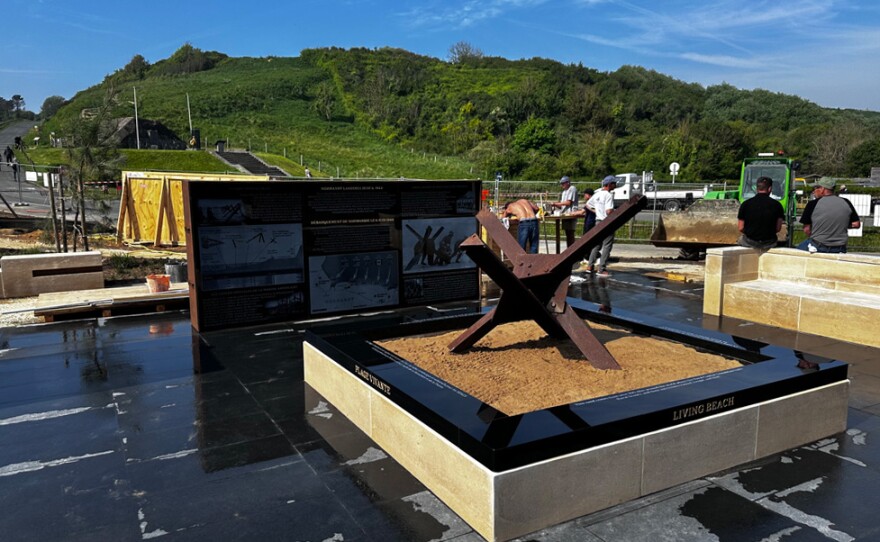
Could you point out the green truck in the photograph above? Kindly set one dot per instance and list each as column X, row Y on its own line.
column 711, row 221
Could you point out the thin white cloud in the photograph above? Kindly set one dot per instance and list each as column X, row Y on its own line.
column 465, row 14
column 722, row 60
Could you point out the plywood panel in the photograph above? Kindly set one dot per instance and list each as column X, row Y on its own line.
column 142, row 204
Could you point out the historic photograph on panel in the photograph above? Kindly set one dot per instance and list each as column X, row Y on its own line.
column 347, row 282
column 251, row 255
column 432, row 244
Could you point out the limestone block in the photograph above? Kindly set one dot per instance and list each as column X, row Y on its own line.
column 713, row 290
column 844, row 271
column 32, row 274
column 550, row 492
column 457, row 479
column 687, row 452
column 726, row 265
column 742, row 264
column 858, row 287
column 757, row 301
column 802, row 418
column 786, row 266
column 338, row 386
column 847, row 316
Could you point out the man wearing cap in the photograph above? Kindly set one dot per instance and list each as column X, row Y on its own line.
column 826, row 219
column 567, row 204
column 602, row 203
column 760, row 217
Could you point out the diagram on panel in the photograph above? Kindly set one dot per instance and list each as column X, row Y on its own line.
column 268, row 254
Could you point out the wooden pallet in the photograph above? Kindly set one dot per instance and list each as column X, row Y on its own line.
column 106, row 302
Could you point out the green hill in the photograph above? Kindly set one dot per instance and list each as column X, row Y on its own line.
column 389, row 113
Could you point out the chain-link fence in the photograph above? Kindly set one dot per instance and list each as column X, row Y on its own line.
column 643, row 226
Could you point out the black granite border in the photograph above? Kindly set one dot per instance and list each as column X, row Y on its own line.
column 501, row 442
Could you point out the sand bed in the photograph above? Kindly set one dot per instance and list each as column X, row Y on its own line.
column 516, row 368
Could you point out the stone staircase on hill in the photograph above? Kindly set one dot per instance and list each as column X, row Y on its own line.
column 248, row 163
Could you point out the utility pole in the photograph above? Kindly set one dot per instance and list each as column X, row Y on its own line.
column 189, row 114
column 137, row 128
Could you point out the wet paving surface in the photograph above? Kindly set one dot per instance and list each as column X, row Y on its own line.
column 107, row 432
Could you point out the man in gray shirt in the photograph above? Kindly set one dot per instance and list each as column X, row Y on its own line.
column 827, row 218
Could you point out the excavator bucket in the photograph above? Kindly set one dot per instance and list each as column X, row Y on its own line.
column 705, row 224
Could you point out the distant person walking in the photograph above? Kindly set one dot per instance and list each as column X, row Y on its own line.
column 602, row 203
column 527, row 227
column 760, row 217
column 827, row 218
column 308, row 173
column 8, row 155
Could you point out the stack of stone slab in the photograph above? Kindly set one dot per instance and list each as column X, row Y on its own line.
column 834, row 295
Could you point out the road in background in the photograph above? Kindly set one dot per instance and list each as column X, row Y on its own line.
column 27, row 199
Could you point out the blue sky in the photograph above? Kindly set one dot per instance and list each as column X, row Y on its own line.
column 827, row 51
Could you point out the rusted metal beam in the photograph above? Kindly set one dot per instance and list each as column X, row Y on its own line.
column 536, row 287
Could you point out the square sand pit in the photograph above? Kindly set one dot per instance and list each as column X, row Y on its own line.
column 509, row 468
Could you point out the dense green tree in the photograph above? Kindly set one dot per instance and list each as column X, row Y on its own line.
column 136, row 68
column 18, row 104
column 187, row 59
column 93, row 156
column 51, row 105
column 325, row 100
column 5, row 108
column 833, row 145
column 863, row 157
column 535, row 134
column 462, row 52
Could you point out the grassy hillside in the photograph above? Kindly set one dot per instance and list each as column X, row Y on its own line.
column 143, row 160
column 264, row 105
column 390, row 113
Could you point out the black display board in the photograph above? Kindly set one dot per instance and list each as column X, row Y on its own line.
column 268, row 251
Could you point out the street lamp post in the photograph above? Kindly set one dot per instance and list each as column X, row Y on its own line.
column 16, row 176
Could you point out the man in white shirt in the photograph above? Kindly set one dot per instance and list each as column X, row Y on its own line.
column 567, row 203
column 602, row 203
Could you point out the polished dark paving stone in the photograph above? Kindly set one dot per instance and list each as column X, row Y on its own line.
column 135, row 428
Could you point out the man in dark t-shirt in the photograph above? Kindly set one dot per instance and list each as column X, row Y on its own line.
column 760, row 217
column 827, row 218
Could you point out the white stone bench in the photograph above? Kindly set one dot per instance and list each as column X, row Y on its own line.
column 833, row 295
column 32, row 274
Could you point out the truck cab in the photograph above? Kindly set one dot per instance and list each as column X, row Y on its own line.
column 629, row 185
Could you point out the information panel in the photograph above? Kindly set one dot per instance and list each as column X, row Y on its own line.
column 267, row 251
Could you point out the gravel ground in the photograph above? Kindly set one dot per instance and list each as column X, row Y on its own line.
column 18, row 240
column 11, row 319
